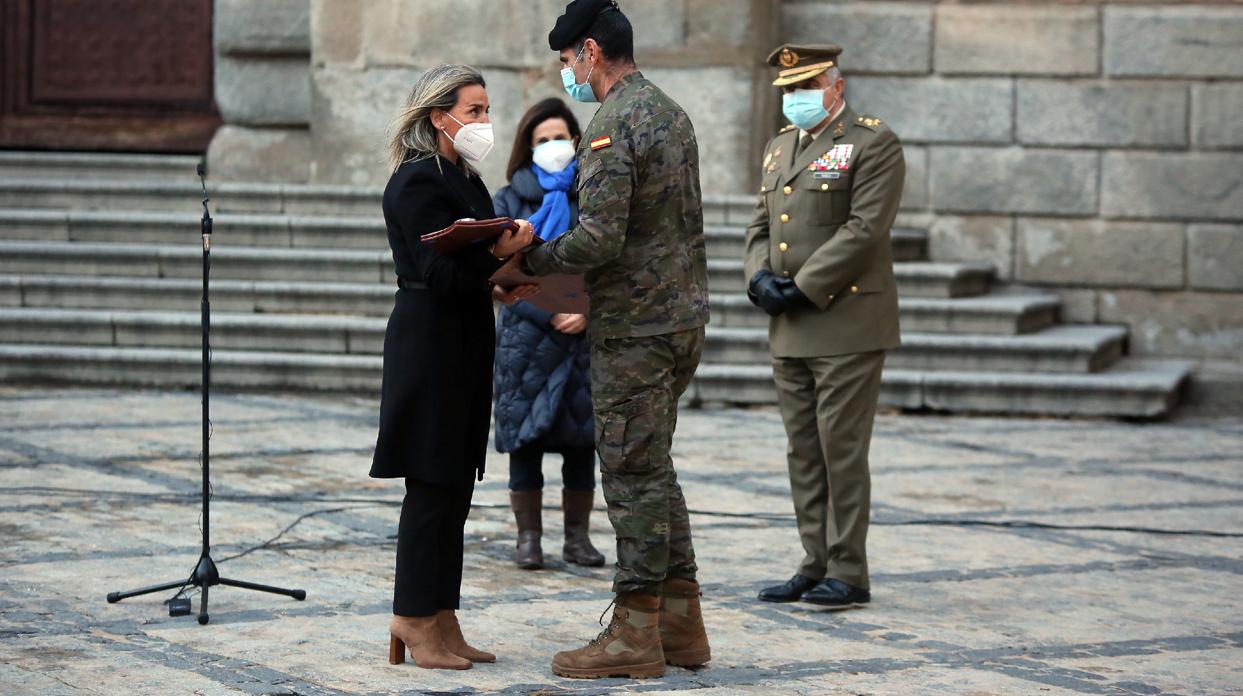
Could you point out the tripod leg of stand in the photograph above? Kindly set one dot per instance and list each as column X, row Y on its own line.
column 296, row 594
column 114, row 597
column 203, row 618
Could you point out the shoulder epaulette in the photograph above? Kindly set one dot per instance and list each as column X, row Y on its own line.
column 869, row 121
column 787, row 129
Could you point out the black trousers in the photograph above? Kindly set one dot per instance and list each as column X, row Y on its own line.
column 578, row 469
column 429, row 547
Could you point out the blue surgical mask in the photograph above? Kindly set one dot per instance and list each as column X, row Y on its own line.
column 804, row 107
column 576, row 91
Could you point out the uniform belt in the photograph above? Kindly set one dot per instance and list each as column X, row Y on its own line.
column 405, row 284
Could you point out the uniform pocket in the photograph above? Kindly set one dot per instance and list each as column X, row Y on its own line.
column 624, row 437
column 831, row 196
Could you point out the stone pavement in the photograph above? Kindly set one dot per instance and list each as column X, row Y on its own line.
column 98, row 492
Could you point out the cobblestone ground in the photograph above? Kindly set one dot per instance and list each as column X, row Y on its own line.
column 98, row 492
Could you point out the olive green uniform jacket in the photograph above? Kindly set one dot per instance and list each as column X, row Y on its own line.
column 823, row 219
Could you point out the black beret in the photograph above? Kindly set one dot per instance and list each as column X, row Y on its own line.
column 578, row 17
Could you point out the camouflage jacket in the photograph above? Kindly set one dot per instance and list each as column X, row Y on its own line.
column 639, row 239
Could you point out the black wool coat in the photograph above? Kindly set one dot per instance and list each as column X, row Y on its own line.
column 436, row 399
column 543, row 377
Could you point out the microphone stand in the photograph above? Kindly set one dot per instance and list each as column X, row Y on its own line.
column 205, row 574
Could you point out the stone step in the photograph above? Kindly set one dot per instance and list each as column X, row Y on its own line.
column 230, row 229
column 915, row 278
column 280, row 230
column 990, row 314
column 173, row 194
column 180, row 294
column 95, row 165
column 1130, row 389
column 297, row 333
column 1061, row 349
column 726, row 242
column 181, row 368
column 186, row 196
column 185, row 261
column 987, row 314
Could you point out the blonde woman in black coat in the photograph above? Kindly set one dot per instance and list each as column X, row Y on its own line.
column 437, row 392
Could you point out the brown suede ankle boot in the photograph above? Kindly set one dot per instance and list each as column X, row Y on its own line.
column 451, row 633
column 629, row 647
column 528, row 513
column 682, row 635
column 422, row 636
column 578, row 548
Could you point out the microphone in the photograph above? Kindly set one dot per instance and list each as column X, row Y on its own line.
column 205, row 225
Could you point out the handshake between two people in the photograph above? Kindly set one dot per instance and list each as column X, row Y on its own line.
column 509, row 243
column 775, row 294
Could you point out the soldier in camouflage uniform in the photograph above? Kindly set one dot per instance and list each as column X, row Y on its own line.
column 639, row 242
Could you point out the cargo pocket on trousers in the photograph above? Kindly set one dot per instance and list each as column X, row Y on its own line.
column 624, row 438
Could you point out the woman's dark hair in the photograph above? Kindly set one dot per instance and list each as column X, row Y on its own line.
column 537, row 114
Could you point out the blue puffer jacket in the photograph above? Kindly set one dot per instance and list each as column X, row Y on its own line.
column 543, row 377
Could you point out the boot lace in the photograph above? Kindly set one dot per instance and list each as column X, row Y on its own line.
column 608, row 630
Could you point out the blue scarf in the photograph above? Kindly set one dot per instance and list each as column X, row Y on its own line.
column 553, row 217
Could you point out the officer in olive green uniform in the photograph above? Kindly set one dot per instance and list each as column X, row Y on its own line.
column 640, row 244
column 818, row 260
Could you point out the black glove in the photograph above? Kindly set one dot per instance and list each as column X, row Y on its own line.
column 765, row 293
column 792, row 295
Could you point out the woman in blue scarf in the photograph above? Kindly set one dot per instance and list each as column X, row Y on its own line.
column 543, row 384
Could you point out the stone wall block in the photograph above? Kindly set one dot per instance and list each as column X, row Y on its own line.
column 1013, row 180
column 1217, row 114
column 274, row 27
column 1079, row 306
column 336, row 31
column 272, row 91
column 1215, row 257
column 1016, row 39
column 935, row 110
column 352, row 114
column 715, row 23
column 1190, row 186
column 1193, row 41
column 1126, row 114
column 886, row 37
column 658, row 24
column 1195, row 324
column 915, row 191
column 718, row 101
column 260, row 154
column 975, row 238
column 1100, row 253
column 499, row 33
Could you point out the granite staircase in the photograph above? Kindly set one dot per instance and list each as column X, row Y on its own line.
column 100, row 283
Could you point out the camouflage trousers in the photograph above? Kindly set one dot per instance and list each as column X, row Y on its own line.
column 635, row 387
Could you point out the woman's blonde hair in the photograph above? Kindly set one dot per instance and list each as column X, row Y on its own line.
column 415, row 136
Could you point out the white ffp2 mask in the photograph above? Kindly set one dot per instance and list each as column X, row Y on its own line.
column 473, row 140
column 554, row 155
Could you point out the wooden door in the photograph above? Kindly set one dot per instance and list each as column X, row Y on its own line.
column 130, row 75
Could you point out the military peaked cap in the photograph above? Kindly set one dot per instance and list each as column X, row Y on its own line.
column 578, row 17
column 799, row 62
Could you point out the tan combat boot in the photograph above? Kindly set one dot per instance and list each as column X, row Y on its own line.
column 629, row 647
column 682, row 635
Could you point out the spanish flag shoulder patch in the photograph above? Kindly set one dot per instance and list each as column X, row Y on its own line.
column 601, row 142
